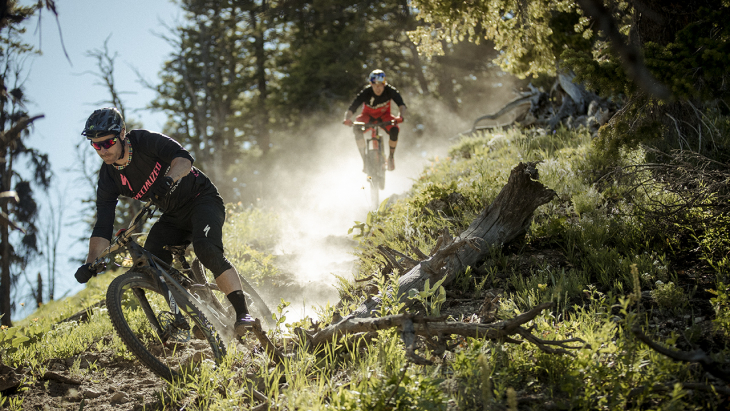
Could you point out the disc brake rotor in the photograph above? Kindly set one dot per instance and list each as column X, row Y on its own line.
column 167, row 320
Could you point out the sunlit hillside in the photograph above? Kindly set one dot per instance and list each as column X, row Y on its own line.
column 588, row 251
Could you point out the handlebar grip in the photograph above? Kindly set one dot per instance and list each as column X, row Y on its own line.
column 98, row 266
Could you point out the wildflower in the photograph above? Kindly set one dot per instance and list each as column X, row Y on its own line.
column 22, row 304
column 35, row 319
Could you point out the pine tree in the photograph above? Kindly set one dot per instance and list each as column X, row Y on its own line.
column 16, row 250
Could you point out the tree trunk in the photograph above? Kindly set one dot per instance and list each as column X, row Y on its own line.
column 5, row 307
column 5, row 276
column 262, row 114
column 498, row 224
column 39, row 291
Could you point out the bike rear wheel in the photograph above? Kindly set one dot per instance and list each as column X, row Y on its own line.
column 142, row 318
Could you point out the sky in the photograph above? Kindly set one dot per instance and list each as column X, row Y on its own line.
column 66, row 93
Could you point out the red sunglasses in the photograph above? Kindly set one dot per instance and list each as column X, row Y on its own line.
column 106, row 144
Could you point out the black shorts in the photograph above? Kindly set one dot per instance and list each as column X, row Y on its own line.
column 202, row 220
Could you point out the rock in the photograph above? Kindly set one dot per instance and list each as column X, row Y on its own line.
column 119, row 397
column 73, row 395
column 91, row 393
column 9, row 378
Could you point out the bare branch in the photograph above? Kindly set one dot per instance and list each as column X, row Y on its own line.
column 412, row 325
column 697, row 356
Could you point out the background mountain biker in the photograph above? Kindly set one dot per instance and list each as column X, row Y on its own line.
column 376, row 99
column 145, row 165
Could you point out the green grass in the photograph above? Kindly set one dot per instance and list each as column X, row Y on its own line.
column 610, row 256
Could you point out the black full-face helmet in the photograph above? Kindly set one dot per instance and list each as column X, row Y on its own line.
column 104, row 121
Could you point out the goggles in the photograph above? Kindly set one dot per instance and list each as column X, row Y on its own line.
column 377, row 78
column 106, row 144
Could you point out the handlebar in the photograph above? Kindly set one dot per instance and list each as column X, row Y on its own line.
column 378, row 124
column 123, row 236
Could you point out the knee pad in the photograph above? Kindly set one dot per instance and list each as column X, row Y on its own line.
column 211, row 255
column 393, row 133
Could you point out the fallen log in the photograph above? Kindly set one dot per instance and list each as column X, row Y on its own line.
column 566, row 103
column 498, row 224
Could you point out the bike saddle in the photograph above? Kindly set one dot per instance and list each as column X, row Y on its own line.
column 177, row 249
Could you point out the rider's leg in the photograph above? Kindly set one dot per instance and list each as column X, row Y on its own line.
column 360, row 141
column 393, row 142
column 208, row 217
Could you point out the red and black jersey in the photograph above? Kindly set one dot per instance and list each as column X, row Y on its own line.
column 376, row 106
column 152, row 154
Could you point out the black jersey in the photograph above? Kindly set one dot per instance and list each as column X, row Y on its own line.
column 152, row 154
column 367, row 96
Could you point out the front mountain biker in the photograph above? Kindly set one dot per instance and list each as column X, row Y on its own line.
column 145, row 165
column 376, row 100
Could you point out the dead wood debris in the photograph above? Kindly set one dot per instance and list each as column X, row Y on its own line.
column 696, row 356
column 565, row 103
column 439, row 331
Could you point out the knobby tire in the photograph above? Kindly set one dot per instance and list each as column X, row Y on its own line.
column 142, row 279
column 376, row 171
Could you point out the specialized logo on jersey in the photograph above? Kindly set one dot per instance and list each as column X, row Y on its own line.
column 125, row 182
column 206, row 229
column 379, row 107
column 150, row 180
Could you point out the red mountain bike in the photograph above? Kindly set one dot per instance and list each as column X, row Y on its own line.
column 375, row 160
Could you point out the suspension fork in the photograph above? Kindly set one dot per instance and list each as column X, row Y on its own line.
column 179, row 322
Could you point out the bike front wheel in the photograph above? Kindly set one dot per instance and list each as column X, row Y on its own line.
column 374, row 193
column 144, row 321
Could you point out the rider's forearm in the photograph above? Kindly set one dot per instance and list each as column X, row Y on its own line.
column 179, row 168
column 348, row 114
column 402, row 111
column 96, row 246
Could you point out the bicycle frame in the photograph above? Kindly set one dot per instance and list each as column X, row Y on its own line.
column 375, row 141
column 164, row 278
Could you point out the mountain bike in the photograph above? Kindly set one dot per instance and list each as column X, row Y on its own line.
column 169, row 318
column 375, row 160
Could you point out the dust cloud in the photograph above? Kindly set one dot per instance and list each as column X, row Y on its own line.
column 319, row 195
column 319, row 191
